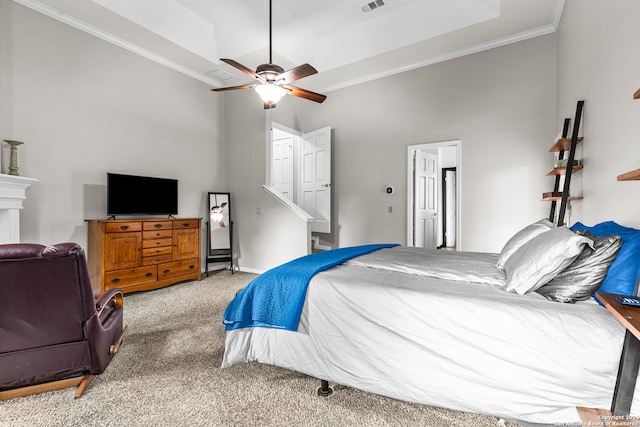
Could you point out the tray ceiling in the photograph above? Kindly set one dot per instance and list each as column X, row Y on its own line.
column 347, row 41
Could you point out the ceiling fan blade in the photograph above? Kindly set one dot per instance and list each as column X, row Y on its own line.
column 297, row 73
column 220, row 89
column 242, row 68
column 306, row 94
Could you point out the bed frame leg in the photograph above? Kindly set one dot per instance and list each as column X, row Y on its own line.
column 324, row 389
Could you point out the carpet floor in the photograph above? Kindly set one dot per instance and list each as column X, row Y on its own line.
column 167, row 373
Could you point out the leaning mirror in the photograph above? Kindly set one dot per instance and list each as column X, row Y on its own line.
column 219, row 233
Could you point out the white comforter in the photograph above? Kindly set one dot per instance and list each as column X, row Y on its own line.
column 384, row 324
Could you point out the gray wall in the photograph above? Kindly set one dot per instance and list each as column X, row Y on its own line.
column 84, row 107
column 598, row 62
column 500, row 103
column 267, row 233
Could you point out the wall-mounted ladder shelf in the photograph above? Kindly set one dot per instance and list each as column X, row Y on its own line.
column 561, row 145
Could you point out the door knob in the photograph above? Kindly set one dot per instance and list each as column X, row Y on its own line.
column 326, row 185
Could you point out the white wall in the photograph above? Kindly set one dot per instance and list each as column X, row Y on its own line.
column 267, row 233
column 500, row 103
column 598, row 62
column 84, row 107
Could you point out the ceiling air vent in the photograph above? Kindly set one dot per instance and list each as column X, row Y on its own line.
column 373, row 5
column 221, row 75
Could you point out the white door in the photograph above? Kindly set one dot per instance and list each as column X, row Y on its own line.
column 282, row 162
column 425, row 199
column 315, row 184
column 450, row 229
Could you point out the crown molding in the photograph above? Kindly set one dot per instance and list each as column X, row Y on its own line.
column 110, row 38
column 514, row 38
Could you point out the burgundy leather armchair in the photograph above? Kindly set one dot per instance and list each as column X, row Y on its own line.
column 53, row 334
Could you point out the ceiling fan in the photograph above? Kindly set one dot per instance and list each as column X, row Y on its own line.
column 273, row 81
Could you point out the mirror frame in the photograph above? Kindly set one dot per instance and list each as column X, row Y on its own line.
column 219, row 228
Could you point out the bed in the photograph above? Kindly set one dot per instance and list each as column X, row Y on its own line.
column 459, row 330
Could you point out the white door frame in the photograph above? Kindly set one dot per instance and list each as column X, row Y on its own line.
column 411, row 150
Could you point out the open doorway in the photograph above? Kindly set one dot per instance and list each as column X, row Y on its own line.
column 449, row 214
column 299, row 170
column 433, row 195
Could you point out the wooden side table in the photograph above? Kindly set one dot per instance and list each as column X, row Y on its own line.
column 630, row 360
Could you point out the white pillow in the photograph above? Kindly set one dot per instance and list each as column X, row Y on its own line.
column 540, row 259
column 522, row 237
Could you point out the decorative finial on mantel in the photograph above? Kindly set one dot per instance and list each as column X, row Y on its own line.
column 13, row 160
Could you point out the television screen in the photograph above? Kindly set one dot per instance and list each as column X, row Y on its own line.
column 141, row 195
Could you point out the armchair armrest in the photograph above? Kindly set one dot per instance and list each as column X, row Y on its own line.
column 110, row 301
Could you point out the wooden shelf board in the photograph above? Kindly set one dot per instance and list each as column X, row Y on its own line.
column 563, row 144
column 630, row 176
column 562, row 171
column 557, row 199
column 637, row 94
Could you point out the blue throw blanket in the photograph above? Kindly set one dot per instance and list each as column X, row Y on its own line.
column 275, row 298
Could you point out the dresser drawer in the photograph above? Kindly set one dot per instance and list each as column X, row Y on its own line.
column 122, row 227
column 178, row 268
column 157, row 234
column 157, row 259
column 157, row 225
column 128, row 277
column 156, row 243
column 164, row 250
column 193, row 223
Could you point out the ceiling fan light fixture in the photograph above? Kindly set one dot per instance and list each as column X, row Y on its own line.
column 270, row 93
column 274, row 82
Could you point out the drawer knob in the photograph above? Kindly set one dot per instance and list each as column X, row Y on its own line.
column 158, row 226
column 166, row 271
column 115, row 280
column 148, row 275
column 186, row 224
column 191, row 267
column 124, row 227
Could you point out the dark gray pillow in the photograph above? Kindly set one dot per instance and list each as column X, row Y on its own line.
column 585, row 275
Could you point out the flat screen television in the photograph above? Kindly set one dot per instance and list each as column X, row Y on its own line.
column 141, row 195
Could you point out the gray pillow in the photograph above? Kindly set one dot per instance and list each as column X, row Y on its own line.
column 585, row 275
column 541, row 259
column 522, row 237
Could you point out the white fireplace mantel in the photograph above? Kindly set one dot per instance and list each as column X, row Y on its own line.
column 13, row 191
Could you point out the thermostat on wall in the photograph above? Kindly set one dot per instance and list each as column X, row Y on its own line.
column 389, row 190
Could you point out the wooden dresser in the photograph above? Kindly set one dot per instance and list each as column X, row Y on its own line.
column 142, row 254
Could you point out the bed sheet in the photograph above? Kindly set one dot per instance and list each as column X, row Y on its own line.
column 449, row 343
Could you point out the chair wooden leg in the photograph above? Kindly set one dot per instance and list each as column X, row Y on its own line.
column 116, row 345
column 86, row 380
column 41, row 388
